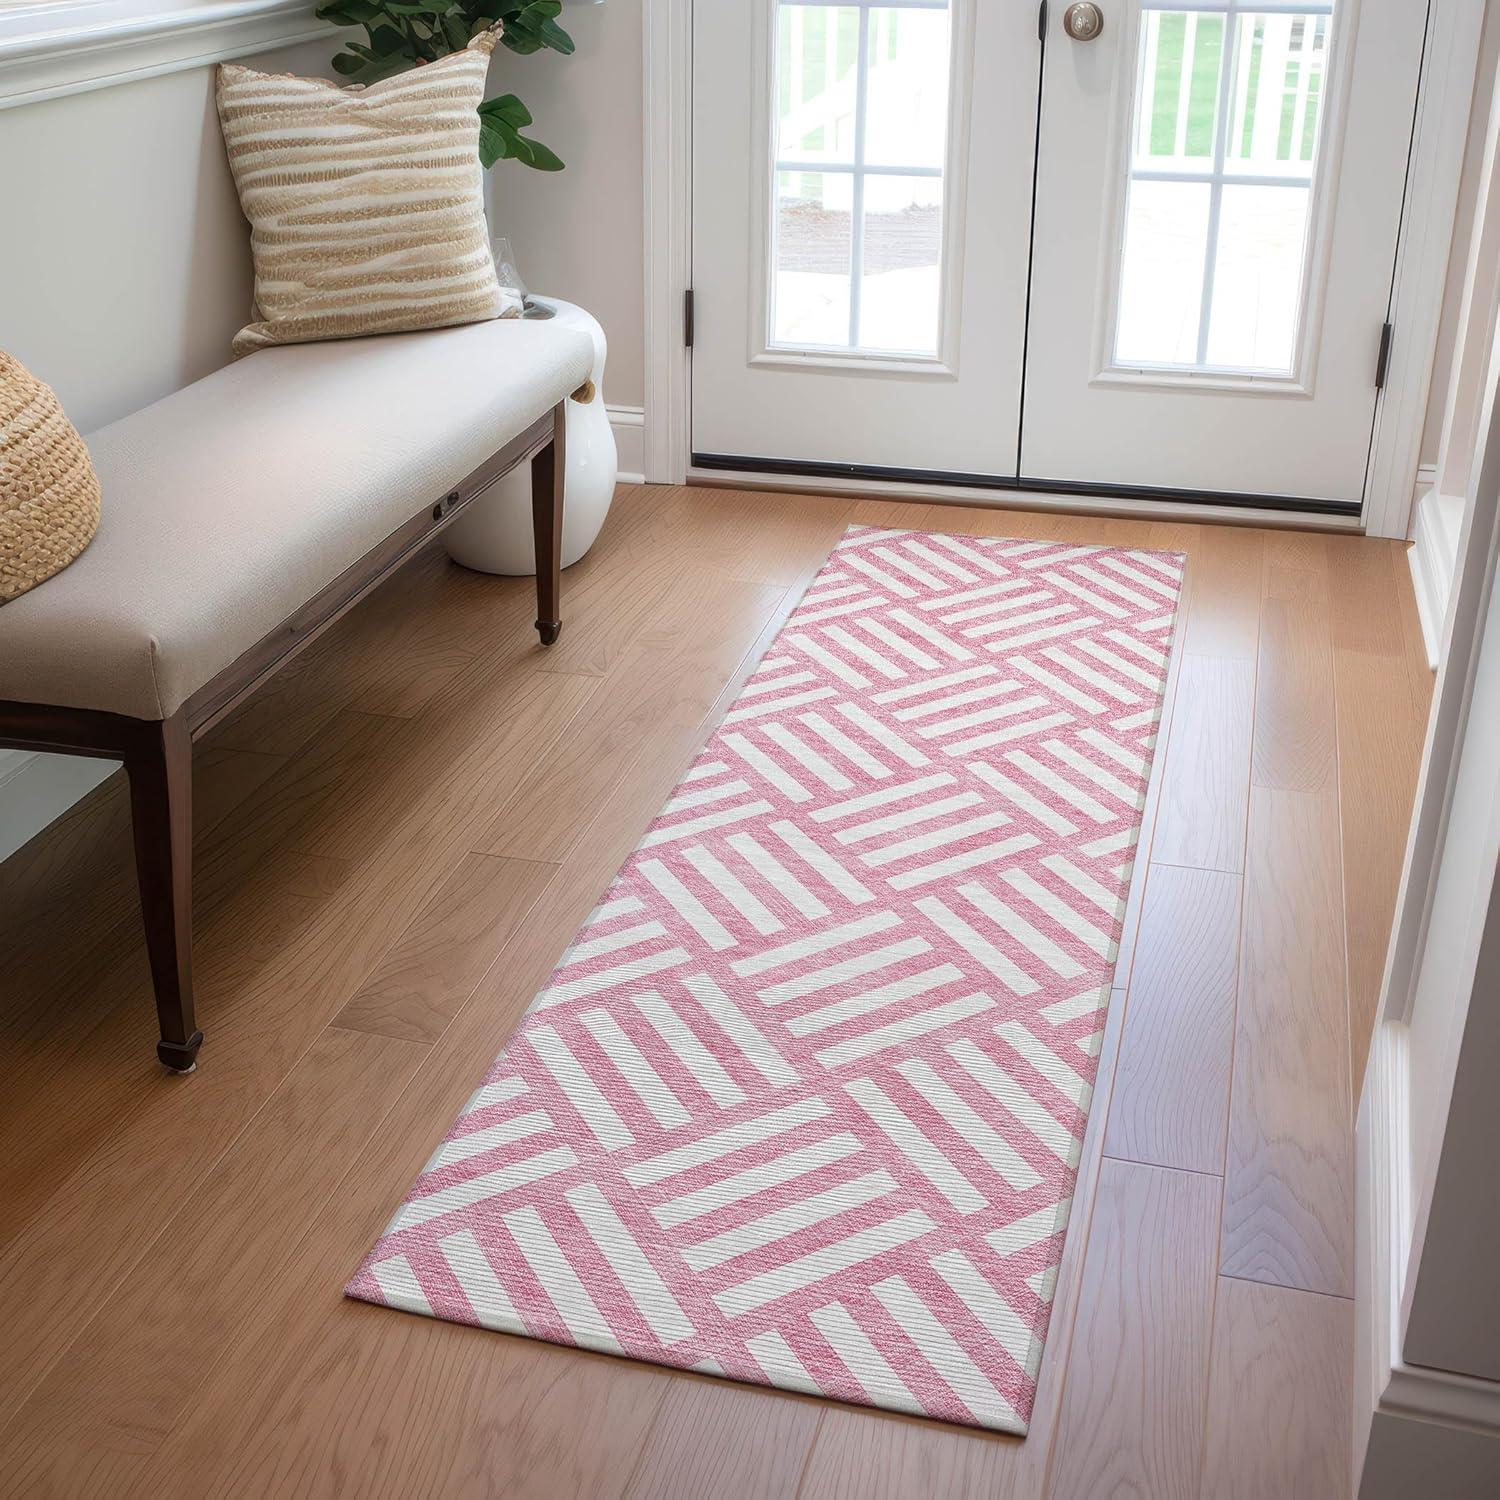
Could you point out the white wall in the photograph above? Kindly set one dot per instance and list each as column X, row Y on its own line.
column 578, row 233
column 125, row 262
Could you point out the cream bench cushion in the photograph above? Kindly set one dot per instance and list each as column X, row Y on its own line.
column 230, row 504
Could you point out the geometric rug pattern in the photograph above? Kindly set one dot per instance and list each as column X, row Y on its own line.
column 803, row 1103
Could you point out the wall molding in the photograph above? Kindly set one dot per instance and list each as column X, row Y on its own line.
column 48, row 51
column 667, row 96
column 1433, row 557
column 1391, row 1386
column 628, row 423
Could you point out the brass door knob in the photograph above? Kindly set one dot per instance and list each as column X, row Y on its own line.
column 1083, row 22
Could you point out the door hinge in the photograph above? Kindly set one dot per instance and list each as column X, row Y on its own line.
column 1383, row 359
column 1041, row 21
column 687, row 317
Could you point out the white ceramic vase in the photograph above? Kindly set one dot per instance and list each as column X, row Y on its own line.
column 494, row 533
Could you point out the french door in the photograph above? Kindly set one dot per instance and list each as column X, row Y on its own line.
column 987, row 242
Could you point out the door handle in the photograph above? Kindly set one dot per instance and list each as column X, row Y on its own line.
column 1083, row 22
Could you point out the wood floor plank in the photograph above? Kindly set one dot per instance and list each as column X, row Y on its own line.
column 119, row 1162
column 1294, row 712
column 1280, row 1394
column 1132, row 1411
column 672, row 673
column 883, row 1456
column 1224, row 587
column 92, row 1072
column 1286, row 548
column 1289, row 1175
column 758, row 536
column 473, row 745
column 434, row 965
column 126, row 1380
column 1170, row 1104
column 761, row 1440
column 612, row 595
column 1205, row 795
column 1364, row 586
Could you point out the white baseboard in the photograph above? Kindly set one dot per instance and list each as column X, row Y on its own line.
column 1386, row 1387
column 35, row 789
column 1433, row 556
column 629, row 426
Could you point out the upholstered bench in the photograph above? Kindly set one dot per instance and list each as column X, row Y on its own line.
column 242, row 516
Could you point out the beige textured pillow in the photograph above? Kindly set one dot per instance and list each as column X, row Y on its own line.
column 49, row 494
column 366, row 204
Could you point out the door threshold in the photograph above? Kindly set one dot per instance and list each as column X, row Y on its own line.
column 942, row 487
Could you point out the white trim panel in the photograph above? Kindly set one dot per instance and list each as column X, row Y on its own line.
column 1433, row 558
column 667, row 110
column 47, row 51
column 1387, row 1384
column 1444, row 101
column 628, row 423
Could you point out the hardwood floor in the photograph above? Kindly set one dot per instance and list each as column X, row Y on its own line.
column 397, row 841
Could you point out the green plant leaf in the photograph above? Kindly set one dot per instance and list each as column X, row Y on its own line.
column 406, row 33
column 499, row 140
column 556, row 38
column 507, row 109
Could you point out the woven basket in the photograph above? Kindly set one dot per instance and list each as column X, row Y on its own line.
column 49, row 494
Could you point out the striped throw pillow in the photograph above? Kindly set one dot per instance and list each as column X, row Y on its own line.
column 366, row 204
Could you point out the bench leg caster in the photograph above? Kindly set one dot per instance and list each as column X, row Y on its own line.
column 549, row 630
column 180, row 1057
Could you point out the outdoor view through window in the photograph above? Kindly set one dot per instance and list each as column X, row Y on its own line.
column 862, row 117
column 1228, row 108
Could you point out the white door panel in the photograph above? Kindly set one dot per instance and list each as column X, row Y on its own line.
column 861, row 200
column 1197, row 304
column 1210, row 284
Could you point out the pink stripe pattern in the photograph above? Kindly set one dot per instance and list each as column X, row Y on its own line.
column 803, row 1103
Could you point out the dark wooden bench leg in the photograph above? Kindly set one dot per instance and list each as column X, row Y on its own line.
column 547, row 472
column 160, row 767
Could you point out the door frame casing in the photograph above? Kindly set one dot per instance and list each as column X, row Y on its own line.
column 1424, row 244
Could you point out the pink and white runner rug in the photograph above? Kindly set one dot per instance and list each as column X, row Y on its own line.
column 803, row 1103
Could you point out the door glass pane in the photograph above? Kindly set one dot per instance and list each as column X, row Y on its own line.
column 903, row 251
column 1229, row 100
column 1161, row 293
column 1258, row 277
column 811, row 264
column 907, row 111
column 861, row 139
column 1181, row 59
column 817, row 55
